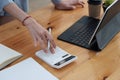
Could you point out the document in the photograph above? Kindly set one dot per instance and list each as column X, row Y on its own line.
column 28, row 69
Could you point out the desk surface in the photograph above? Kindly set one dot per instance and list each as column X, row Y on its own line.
column 90, row 65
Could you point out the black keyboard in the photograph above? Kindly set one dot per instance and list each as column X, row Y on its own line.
column 80, row 33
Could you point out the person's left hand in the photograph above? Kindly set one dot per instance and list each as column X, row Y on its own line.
column 68, row 4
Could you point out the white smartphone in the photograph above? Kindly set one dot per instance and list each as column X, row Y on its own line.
column 57, row 60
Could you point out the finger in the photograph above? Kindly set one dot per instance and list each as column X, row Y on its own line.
column 70, row 7
column 45, row 50
column 81, row 3
column 42, row 44
column 53, row 43
column 52, row 50
column 42, row 35
column 50, row 38
column 52, row 46
column 44, row 38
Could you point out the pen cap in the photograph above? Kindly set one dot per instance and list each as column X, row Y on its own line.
column 94, row 2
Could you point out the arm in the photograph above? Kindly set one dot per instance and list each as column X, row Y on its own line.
column 67, row 4
column 39, row 34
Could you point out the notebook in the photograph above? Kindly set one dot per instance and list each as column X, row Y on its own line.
column 27, row 69
column 7, row 55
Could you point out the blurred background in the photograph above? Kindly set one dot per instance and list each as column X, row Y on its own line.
column 37, row 4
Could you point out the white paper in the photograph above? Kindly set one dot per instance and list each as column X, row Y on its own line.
column 28, row 69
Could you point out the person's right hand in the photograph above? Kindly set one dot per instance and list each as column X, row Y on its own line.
column 67, row 4
column 40, row 35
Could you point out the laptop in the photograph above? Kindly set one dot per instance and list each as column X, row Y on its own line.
column 93, row 33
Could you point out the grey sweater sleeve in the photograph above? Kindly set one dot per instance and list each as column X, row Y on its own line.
column 56, row 1
column 3, row 3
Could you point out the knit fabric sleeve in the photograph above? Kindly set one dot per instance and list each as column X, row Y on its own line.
column 3, row 3
column 56, row 1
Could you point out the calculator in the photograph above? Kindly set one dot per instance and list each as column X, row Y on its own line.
column 57, row 60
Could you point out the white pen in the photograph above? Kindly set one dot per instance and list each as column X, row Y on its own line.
column 49, row 30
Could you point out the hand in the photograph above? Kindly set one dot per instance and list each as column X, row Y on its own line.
column 68, row 4
column 40, row 35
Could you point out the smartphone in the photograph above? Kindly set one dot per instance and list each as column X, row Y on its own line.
column 57, row 60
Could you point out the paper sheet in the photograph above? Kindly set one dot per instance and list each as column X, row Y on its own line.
column 28, row 69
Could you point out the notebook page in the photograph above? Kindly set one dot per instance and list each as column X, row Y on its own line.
column 7, row 53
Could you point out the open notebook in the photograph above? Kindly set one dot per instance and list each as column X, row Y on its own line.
column 28, row 69
column 7, row 55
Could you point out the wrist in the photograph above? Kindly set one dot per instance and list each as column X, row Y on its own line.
column 28, row 21
column 25, row 20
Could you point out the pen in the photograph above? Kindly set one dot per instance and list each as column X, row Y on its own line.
column 49, row 30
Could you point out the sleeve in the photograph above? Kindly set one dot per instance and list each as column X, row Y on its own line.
column 56, row 1
column 3, row 3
